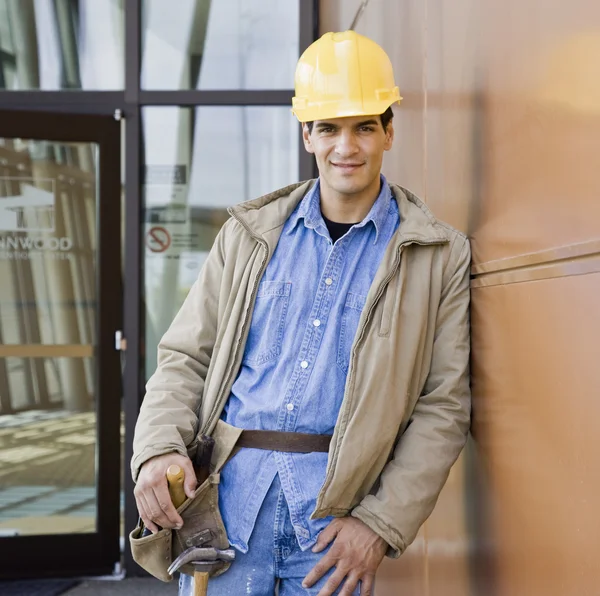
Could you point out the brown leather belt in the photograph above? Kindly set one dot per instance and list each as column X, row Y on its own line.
column 273, row 440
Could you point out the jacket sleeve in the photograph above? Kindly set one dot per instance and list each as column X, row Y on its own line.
column 168, row 418
column 437, row 431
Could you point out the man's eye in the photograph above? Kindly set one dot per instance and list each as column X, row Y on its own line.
column 367, row 128
column 327, row 130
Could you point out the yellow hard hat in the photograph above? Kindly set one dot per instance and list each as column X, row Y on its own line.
column 343, row 74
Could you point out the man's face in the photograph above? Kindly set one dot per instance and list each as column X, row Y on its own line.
column 349, row 151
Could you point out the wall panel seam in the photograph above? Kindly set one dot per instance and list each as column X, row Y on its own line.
column 540, row 258
column 584, row 266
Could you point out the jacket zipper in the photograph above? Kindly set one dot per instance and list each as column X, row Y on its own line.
column 345, row 405
column 247, row 318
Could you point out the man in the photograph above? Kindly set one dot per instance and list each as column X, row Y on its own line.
column 337, row 309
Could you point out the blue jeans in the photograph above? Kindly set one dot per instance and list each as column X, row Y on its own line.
column 273, row 558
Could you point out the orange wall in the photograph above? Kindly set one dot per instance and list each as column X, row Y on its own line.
column 499, row 133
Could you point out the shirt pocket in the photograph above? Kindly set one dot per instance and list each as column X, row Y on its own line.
column 350, row 317
column 268, row 321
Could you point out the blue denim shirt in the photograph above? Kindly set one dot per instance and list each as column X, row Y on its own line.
column 295, row 363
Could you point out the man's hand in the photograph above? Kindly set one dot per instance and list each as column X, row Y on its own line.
column 356, row 553
column 152, row 493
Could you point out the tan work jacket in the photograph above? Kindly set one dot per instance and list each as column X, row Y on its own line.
column 406, row 409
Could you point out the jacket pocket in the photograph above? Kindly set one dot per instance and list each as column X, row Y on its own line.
column 268, row 321
column 350, row 317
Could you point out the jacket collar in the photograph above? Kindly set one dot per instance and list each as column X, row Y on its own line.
column 271, row 211
column 417, row 222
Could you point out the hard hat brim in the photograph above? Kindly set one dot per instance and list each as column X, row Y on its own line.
column 331, row 110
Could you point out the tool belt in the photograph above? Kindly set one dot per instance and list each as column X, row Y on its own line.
column 283, row 441
column 202, row 522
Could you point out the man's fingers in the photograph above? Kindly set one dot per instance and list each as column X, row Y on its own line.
column 350, row 585
column 333, row 583
column 318, row 571
column 143, row 511
column 189, row 482
column 366, row 586
column 326, row 536
column 155, row 509
column 163, row 499
column 152, row 493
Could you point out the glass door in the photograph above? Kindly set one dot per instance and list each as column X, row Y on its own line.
column 60, row 376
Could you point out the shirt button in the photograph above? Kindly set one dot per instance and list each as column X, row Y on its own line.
column 316, row 323
column 329, row 281
column 304, row 364
column 290, row 407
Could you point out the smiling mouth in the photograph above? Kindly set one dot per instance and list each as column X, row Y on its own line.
column 347, row 166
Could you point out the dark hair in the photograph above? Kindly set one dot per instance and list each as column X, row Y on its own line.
column 386, row 118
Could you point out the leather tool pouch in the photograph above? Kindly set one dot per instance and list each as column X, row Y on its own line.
column 202, row 522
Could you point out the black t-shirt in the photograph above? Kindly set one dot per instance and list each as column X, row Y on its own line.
column 336, row 230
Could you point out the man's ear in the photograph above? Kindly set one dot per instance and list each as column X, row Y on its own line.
column 389, row 136
column 306, row 138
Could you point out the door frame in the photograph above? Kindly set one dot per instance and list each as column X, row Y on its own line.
column 97, row 553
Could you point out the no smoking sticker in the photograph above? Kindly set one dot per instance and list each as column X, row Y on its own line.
column 158, row 239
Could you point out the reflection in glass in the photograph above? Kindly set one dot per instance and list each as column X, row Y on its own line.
column 47, row 336
column 224, row 44
column 198, row 162
column 50, row 45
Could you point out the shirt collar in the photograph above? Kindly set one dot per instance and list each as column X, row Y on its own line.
column 309, row 209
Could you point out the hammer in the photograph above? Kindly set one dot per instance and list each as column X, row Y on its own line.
column 204, row 560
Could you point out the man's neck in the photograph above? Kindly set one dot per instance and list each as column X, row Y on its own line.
column 343, row 208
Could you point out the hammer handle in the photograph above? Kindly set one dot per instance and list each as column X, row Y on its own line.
column 175, row 478
column 200, row 583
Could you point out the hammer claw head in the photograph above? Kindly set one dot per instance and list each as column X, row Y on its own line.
column 197, row 554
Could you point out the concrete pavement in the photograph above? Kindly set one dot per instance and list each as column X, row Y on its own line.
column 126, row 587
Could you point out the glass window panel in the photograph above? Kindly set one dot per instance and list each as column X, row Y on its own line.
column 52, row 45
column 48, row 262
column 198, row 162
column 224, row 44
column 47, row 469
